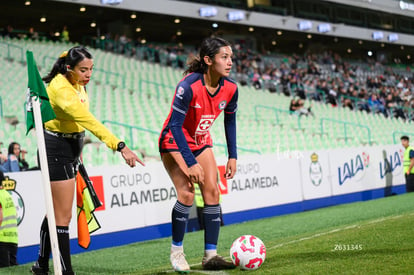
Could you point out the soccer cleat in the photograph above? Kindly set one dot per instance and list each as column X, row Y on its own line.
column 38, row 270
column 179, row 262
column 217, row 263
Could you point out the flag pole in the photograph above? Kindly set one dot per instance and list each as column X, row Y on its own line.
column 46, row 185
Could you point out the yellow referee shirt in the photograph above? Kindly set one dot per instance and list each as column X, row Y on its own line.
column 71, row 106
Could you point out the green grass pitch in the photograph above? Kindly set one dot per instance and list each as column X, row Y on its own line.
column 372, row 237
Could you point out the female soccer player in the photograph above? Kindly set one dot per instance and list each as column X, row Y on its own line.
column 186, row 146
column 64, row 137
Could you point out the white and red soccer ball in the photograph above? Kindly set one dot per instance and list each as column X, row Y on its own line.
column 248, row 252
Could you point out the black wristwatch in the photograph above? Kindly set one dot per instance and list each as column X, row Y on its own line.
column 121, row 145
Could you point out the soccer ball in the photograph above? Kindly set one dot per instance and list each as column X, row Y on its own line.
column 248, row 252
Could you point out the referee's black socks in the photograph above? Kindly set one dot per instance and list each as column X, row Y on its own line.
column 44, row 248
column 64, row 247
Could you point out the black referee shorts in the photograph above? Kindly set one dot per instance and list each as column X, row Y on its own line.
column 62, row 153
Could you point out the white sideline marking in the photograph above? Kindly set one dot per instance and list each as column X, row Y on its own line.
column 337, row 230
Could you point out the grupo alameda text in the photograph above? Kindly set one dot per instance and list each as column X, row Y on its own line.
column 142, row 196
column 137, row 189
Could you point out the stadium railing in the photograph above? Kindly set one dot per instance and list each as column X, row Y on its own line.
column 238, row 148
column 400, row 133
column 277, row 112
column 108, row 76
column 408, row 112
column 11, row 46
column 130, row 129
column 346, row 137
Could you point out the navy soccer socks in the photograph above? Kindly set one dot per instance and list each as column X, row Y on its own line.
column 179, row 220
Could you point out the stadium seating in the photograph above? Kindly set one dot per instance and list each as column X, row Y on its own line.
column 139, row 93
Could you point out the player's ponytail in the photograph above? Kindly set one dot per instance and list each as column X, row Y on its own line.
column 67, row 59
column 209, row 47
column 195, row 65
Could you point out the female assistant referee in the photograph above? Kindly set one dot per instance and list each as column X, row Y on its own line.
column 186, row 146
column 64, row 138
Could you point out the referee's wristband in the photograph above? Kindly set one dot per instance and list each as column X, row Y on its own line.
column 121, row 145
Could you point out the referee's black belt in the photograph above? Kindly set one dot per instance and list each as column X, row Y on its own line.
column 66, row 135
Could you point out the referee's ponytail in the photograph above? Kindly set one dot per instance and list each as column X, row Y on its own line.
column 209, row 47
column 68, row 59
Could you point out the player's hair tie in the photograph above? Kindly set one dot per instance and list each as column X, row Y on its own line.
column 64, row 54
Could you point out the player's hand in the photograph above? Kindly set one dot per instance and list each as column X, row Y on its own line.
column 231, row 168
column 130, row 157
column 196, row 174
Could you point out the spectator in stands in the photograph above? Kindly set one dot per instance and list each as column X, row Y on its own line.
column 3, row 159
column 52, row 36
column 33, row 35
column 329, row 93
column 408, row 164
column 123, row 41
column 8, row 227
column 383, row 92
column 297, row 106
column 300, row 89
column 362, row 103
column 393, row 108
column 376, row 105
column 396, row 96
column 313, row 69
column 65, row 34
column 64, row 137
column 256, row 79
column 185, row 146
column 15, row 159
column 8, row 32
column 285, row 84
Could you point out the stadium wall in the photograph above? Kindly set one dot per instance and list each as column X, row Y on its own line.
column 137, row 202
column 259, row 19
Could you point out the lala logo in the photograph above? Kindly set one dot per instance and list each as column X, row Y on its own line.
column 355, row 168
column 389, row 165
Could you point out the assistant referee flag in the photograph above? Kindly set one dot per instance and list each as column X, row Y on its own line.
column 36, row 88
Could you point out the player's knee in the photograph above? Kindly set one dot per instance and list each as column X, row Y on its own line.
column 186, row 197
column 211, row 196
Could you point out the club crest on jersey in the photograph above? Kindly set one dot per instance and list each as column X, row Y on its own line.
column 180, row 92
column 222, row 105
column 204, row 124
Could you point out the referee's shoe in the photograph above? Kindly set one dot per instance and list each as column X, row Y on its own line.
column 38, row 270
